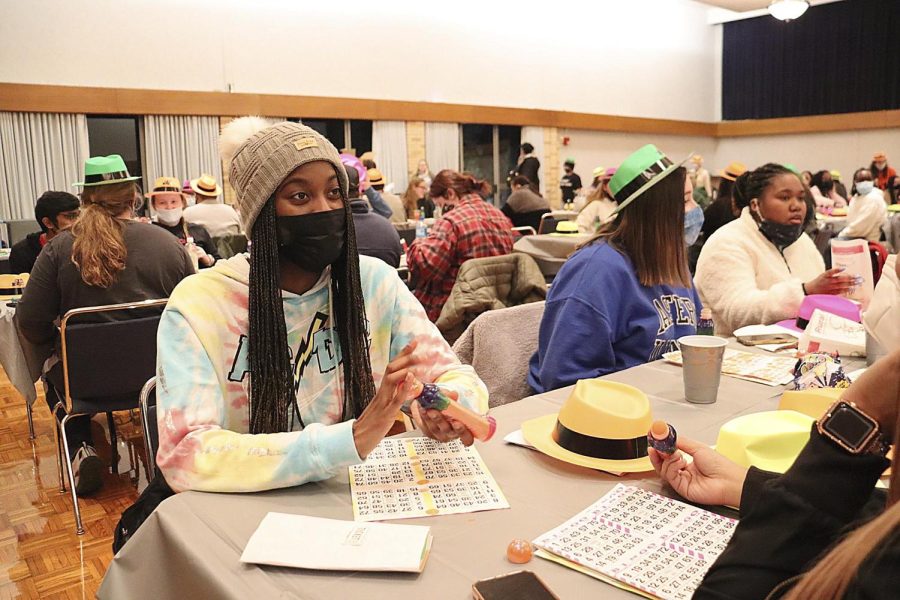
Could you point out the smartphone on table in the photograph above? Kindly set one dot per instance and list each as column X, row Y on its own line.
column 518, row 585
column 767, row 338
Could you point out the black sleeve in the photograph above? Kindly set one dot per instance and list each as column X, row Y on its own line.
column 396, row 249
column 202, row 239
column 789, row 521
column 529, row 169
column 576, row 182
column 40, row 305
column 21, row 258
column 753, row 486
column 507, row 210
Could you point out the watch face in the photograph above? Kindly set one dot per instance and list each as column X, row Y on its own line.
column 849, row 426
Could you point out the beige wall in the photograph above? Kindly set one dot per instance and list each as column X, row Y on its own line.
column 845, row 151
column 592, row 149
column 476, row 53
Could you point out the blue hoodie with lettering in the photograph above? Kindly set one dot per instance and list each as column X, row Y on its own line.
column 599, row 319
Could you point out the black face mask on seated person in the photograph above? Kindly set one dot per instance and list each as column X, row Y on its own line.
column 312, row 241
column 779, row 234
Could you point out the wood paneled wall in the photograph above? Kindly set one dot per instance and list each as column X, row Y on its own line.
column 93, row 100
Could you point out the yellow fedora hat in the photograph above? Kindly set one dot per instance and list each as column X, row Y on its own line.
column 768, row 440
column 812, row 402
column 602, row 425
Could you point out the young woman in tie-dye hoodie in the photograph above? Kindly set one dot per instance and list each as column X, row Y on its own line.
column 339, row 336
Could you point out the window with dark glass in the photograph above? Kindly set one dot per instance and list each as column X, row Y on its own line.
column 116, row 135
column 333, row 129
column 360, row 136
column 478, row 151
column 509, row 138
column 490, row 152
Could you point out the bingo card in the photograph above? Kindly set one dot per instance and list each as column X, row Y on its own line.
column 420, row 477
column 657, row 545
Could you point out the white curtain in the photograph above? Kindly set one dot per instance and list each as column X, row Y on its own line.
column 442, row 146
column 389, row 146
column 182, row 147
column 38, row 152
column 535, row 137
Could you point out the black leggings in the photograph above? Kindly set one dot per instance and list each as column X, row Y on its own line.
column 78, row 429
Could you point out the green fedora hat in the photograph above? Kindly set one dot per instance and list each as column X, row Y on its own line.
column 103, row 170
column 639, row 172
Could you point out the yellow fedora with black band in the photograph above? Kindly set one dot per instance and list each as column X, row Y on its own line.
column 602, row 425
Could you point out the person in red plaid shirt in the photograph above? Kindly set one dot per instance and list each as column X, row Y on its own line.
column 469, row 228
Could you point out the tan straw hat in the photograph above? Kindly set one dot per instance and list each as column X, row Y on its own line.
column 206, row 185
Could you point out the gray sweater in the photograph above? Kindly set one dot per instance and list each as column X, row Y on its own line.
column 155, row 263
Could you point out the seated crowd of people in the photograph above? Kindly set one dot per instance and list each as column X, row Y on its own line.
column 320, row 280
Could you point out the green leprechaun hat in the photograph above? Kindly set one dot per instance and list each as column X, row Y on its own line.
column 103, row 170
column 639, row 172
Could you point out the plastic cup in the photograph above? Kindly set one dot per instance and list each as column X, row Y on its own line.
column 701, row 357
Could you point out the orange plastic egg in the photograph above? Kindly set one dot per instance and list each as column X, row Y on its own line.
column 519, row 552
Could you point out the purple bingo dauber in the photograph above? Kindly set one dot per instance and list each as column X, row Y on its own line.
column 662, row 437
column 432, row 396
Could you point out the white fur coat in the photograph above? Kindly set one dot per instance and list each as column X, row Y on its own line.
column 745, row 280
column 882, row 318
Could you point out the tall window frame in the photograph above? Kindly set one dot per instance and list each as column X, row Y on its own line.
column 504, row 141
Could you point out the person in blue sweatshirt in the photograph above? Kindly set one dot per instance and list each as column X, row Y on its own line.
column 626, row 295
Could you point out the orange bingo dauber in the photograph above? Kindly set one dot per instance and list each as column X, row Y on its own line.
column 432, row 396
column 662, row 437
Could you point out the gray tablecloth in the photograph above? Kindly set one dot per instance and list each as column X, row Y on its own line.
column 190, row 547
column 831, row 224
column 549, row 251
column 11, row 356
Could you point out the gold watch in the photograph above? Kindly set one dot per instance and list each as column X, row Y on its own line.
column 851, row 429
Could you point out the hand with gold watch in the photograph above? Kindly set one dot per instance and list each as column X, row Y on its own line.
column 864, row 420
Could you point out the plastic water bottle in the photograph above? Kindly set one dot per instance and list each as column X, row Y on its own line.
column 421, row 230
column 192, row 253
column 705, row 325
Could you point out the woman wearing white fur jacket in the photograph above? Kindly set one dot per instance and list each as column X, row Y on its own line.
column 882, row 318
column 757, row 268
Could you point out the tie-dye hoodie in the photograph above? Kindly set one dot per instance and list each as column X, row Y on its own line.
column 203, row 378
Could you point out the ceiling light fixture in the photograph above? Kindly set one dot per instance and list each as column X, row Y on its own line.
column 788, row 10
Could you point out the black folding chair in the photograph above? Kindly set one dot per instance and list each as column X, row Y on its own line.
column 150, row 426
column 105, row 365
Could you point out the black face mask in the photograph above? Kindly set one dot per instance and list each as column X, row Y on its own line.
column 312, row 241
column 779, row 234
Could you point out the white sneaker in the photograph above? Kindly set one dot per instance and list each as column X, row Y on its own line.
column 88, row 469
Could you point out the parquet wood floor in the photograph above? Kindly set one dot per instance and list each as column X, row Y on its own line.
column 40, row 554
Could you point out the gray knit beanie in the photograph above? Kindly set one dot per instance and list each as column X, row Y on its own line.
column 264, row 159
